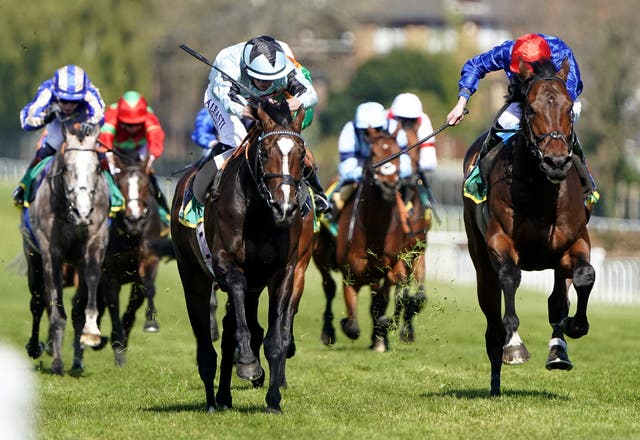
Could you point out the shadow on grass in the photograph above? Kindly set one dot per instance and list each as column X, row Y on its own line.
column 477, row 393
column 201, row 407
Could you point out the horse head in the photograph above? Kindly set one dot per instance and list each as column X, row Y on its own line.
column 134, row 183
column 79, row 166
column 385, row 177
column 278, row 160
column 547, row 120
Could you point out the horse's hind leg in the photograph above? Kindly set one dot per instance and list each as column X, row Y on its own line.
column 558, row 306
column 37, row 306
column 228, row 347
column 111, row 295
column 150, row 271
column 136, row 299
column 328, row 335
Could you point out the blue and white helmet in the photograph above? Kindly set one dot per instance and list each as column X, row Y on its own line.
column 70, row 83
column 264, row 58
column 370, row 114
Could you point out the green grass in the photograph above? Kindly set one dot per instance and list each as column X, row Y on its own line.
column 435, row 388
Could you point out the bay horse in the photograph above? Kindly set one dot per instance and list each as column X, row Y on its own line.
column 131, row 254
column 419, row 215
column 257, row 237
column 368, row 245
column 67, row 223
column 534, row 218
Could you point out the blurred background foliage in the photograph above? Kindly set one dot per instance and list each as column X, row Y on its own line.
column 127, row 45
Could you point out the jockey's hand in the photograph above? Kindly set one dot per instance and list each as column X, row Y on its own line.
column 456, row 115
column 294, row 103
column 150, row 161
column 54, row 111
column 86, row 128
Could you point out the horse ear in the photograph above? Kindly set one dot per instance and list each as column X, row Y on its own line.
column 297, row 123
column 525, row 73
column 564, row 70
column 265, row 120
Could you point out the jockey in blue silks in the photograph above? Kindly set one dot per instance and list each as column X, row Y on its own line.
column 528, row 48
column 69, row 92
column 204, row 132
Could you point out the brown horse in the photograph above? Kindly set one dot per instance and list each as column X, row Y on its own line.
column 368, row 246
column 534, row 218
column 419, row 214
column 67, row 223
column 131, row 255
column 257, row 237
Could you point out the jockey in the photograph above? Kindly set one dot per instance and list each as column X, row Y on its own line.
column 528, row 48
column 355, row 150
column 204, row 132
column 407, row 109
column 131, row 126
column 69, row 92
column 262, row 67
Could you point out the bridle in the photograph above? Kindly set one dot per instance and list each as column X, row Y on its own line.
column 258, row 174
column 534, row 142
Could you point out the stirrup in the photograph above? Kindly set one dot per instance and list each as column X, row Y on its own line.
column 18, row 196
column 321, row 203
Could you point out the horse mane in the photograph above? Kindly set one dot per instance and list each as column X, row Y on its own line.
column 518, row 87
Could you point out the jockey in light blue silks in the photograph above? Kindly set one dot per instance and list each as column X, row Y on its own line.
column 204, row 132
column 69, row 92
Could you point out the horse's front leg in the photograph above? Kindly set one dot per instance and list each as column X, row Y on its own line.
column 110, row 290
column 349, row 324
column 584, row 277
column 379, row 303
column 92, row 271
column 58, row 319
column 558, row 306
column 514, row 351
column 148, row 272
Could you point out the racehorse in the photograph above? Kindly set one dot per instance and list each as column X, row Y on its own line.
column 67, row 222
column 368, row 245
column 534, row 218
column 131, row 256
column 417, row 225
column 257, row 237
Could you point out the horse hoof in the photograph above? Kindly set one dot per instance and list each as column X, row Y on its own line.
column 380, row 345
column 251, row 371
column 103, row 343
column 259, row 382
column 57, row 367
column 272, row 410
column 35, row 352
column 558, row 359
column 90, row 340
column 571, row 328
column 350, row 328
column 515, row 354
column 328, row 337
column 151, row 326
column 407, row 334
column 119, row 357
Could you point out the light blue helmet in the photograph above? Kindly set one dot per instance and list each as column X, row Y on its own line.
column 70, row 83
column 264, row 58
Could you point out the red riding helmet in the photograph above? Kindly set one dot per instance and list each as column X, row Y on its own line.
column 529, row 48
column 132, row 108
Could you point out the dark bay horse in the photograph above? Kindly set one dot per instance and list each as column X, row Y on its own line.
column 257, row 237
column 368, row 246
column 67, row 223
column 534, row 218
column 131, row 256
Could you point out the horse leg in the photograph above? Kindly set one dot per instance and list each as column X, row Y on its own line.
column 584, row 276
column 328, row 335
column 34, row 347
column 213, row 307
column 514, row 350
column 79, row 304
column 228, row 347
column 52, row 271
column 148, row 273
column 379, row 303
column 558, row 310
column 91, row 272
column 111, row 295
column 350, row 323
column 136, row 299
column 257, row 334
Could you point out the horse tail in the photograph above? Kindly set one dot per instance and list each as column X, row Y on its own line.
column 18, row 265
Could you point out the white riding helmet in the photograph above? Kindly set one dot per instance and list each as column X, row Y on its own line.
column 370, row 114
column 264, row 58
column 406, row 105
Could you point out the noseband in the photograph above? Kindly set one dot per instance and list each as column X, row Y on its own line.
column 534, row 141
column 258, row 168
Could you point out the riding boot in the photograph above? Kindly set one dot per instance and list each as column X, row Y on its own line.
column 162, row 201
column 585, row 172
column 490, row 141
column 19, row 193
column 319, row 197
